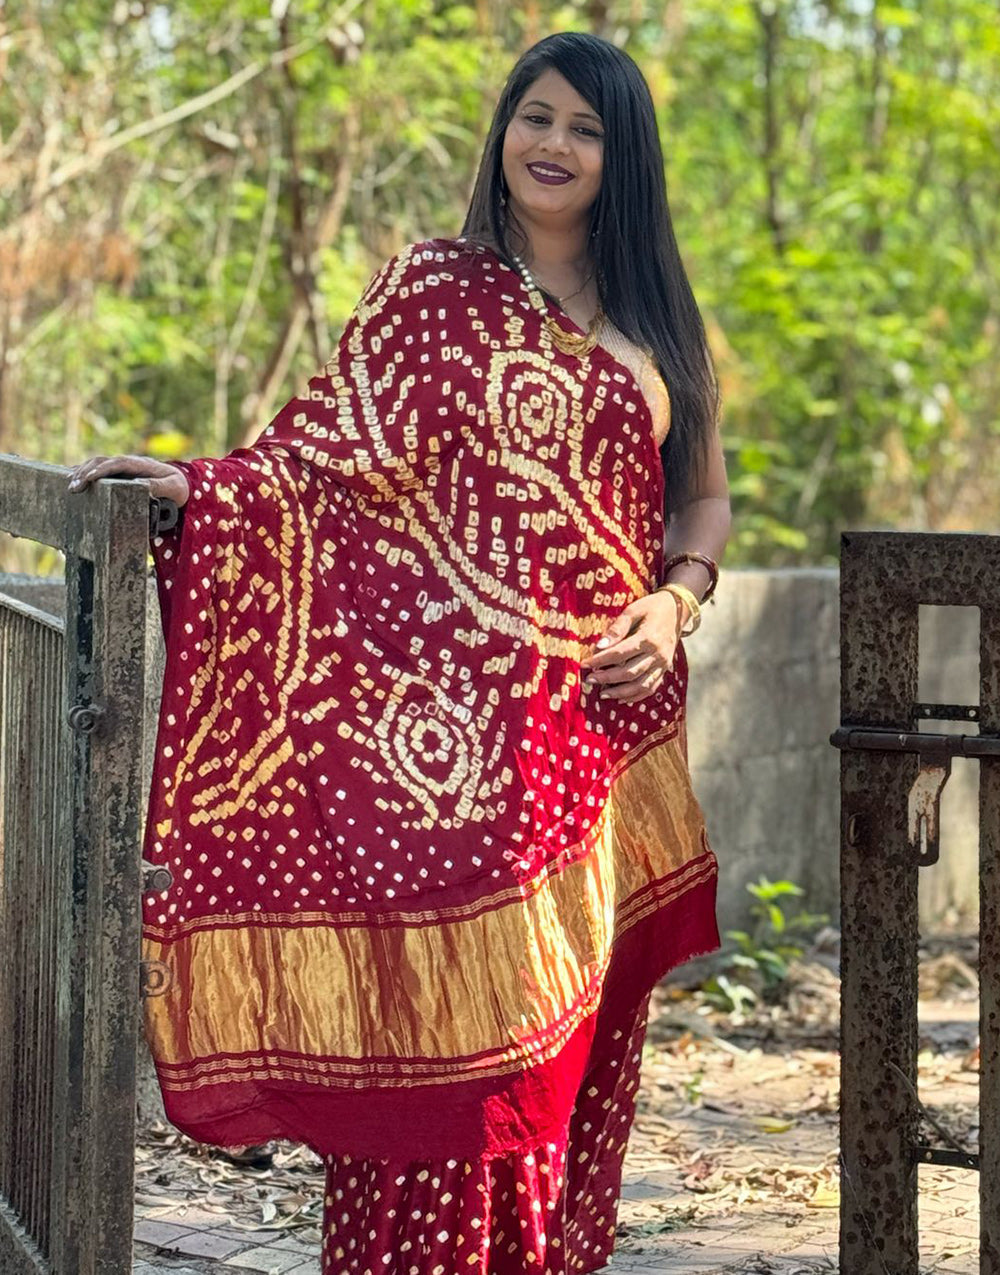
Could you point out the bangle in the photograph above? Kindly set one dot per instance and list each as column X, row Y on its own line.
column 682, row 594
column 701, row 559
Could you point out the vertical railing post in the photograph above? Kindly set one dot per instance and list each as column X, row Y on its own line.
column 989, row 939
column 105, row 637
column 879, row 1118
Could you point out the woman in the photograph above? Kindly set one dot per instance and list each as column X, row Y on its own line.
column 421, row 779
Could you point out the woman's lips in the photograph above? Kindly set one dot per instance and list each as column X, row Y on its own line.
column 549, row 174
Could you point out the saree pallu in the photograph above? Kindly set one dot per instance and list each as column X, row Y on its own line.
column 407, row 843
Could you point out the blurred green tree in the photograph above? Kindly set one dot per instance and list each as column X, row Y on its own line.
column 194, row 193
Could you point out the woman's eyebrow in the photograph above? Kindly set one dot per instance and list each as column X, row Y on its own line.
column 584, row 114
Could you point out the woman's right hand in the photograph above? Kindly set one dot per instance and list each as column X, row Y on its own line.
column 165, row 482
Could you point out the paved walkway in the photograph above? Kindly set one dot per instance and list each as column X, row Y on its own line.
column 731, row 1170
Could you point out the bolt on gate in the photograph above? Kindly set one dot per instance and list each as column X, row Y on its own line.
column 891, row 780
column 71, row 703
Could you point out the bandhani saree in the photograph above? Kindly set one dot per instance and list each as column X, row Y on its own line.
column 409, row 847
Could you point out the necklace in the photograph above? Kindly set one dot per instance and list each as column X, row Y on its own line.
column 570, row 295
column 565, row 342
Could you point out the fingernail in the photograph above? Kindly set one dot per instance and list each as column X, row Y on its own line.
column 602, row 642
column 73, row 485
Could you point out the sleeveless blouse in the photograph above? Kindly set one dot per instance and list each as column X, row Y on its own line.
column 648, row 379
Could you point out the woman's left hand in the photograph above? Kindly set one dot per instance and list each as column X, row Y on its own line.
column 638, row 649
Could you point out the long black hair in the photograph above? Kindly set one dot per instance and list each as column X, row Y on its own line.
column 644, row 287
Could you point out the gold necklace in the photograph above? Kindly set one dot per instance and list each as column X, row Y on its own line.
column 576, row 343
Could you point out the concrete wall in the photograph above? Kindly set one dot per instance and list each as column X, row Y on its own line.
column 763, row 699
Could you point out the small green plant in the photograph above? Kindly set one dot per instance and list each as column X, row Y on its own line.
column 758, row 968
column 692, row 1087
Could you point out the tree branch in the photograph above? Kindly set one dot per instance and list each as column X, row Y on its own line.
column 257, row 406
column 878, row 123
column 82, row 164
column 767, row 16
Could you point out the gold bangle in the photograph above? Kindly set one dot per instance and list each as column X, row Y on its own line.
column 683, row 594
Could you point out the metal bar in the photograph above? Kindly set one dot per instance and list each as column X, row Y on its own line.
column 5, row 1042
column 948, row 712
column 74, row 1195
column 847, row 738
column 33, row 499
column 989, row 937
column 19, row 1254
column 7, row 603
column 961, row 569
column 879, row 1113
column 106, row 632
column 116, row 793
column 22, row 950
column 163, row 515
column 49, row 783
column 70, row 885
column 946, row 1157
column 29, row 650
column 69, row 880
column 32, row 739
column 884, row 578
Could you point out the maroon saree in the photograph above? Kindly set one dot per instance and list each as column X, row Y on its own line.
column 407, row 844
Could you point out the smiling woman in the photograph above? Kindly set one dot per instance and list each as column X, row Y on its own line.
column 420, row 776
column 553, row 155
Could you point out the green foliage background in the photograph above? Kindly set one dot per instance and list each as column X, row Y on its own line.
column 193, row 194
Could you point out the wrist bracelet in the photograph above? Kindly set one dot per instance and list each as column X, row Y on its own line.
column 682, row 594
column 702, row 560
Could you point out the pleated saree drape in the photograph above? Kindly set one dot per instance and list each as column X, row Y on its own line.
column 409, row 848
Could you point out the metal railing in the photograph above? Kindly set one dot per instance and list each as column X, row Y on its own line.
column 892, row 775
column 71, row 703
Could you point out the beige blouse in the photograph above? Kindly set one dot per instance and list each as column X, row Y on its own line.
column 642, row 367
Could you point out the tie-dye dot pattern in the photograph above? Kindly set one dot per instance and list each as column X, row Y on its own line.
column 551, row 1209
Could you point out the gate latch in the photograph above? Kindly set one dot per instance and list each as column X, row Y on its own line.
column 163, row 515
column 924, row 808
column 935, row 753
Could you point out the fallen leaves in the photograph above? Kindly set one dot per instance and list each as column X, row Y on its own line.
column 178, row 1179
column 772, row 1124
column 748, row 1135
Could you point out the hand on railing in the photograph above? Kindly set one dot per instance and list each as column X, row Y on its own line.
column 165, row 482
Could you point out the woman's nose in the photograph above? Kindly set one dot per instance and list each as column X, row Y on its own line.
column 556, row 139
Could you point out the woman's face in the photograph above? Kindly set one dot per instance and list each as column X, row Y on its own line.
column 553, row 153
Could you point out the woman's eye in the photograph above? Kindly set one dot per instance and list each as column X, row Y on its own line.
column 543, row 122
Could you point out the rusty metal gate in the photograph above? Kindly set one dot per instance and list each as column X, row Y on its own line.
column 891, row 779
column 71, row 700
